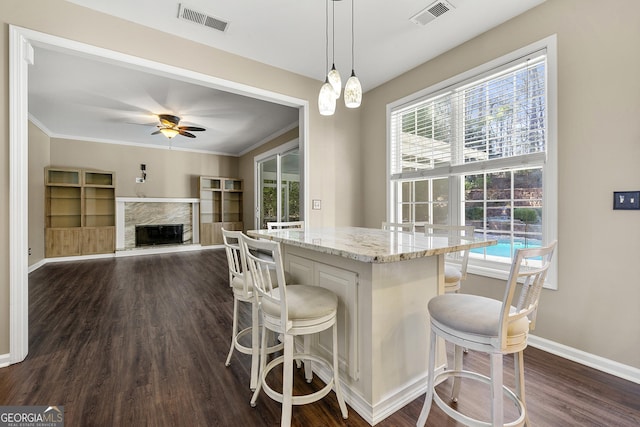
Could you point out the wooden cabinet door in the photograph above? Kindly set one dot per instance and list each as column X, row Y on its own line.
column 217, row 233
column 206, row 233
column 63, row 242
column 98, row 240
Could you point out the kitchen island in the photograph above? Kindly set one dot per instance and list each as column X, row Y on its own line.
column 384, row 280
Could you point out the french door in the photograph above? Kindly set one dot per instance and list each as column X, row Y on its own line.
column 279, row 195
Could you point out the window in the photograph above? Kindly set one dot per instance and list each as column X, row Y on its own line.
column 479, row 149
column 278, row 169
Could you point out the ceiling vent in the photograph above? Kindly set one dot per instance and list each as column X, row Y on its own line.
column 186, row 13
column 431, row 12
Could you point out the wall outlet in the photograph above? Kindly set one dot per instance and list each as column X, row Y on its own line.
column 626, row 200
column 139, row 180
column 317, row 204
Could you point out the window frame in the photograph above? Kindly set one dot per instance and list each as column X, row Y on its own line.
column 488, row 268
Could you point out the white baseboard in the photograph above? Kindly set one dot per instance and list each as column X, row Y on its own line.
column 37, row 265
column 5, row 360
column 164, row 250
column 388, row 405
column 125, row 253
column 600, row 363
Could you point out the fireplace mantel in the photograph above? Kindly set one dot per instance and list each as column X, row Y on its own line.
column 132, row 211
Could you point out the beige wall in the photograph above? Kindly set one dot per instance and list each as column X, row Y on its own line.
column 67, row 20
column 170, row 173
column 38, row 159
column 596, row 306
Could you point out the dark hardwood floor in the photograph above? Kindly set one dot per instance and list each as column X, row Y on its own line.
column 142, row 341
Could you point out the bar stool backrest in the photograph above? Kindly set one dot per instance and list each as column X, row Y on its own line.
column 456, row 234
column 286, row 224
column 259, row 268
column 529, row 269
column 235, row 262
column 398, row 226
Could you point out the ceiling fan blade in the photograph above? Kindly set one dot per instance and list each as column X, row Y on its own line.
column 191, row 128
column 156, row 132
column 142, row 124
column 187, row 134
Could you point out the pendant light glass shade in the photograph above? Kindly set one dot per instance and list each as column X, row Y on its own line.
column 352, row 92
column 327, row 96
column 353, row 88
column 327, row 99
column 335, row 80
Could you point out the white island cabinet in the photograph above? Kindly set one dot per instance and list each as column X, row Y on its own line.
column 384, row 280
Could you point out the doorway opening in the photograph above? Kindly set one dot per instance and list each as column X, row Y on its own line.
column 21, row 42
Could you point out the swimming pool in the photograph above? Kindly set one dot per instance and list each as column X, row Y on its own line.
column 504, row 249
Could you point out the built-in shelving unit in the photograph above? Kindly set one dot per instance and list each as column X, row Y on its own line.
column 79, row 212
column 220, row 207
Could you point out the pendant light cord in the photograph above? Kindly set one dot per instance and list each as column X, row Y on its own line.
column 352, row 39
column 326, row 20
column 333, row 32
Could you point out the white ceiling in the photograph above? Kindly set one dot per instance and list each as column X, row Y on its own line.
column 76, row 97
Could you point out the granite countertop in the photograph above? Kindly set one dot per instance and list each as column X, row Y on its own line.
column 370, row 244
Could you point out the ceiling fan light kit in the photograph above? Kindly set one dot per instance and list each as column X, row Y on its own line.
column 169, row 132
column 333, row 82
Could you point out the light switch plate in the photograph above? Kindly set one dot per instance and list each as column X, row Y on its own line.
column 317, row 204
column 626, row 200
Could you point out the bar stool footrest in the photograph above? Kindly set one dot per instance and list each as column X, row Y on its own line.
column 300, row 399
column 241, row 347
column 248, row 350
column 459, row 416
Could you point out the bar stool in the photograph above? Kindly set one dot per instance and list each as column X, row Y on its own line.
column 399, row 226
column 455, row 267
column 243, row 291
column 284, row 224
column 489, row 326
column 290, row 311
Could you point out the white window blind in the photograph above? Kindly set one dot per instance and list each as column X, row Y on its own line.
column 488, row 122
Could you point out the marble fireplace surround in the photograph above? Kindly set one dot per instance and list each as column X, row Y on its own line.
column 132, row 211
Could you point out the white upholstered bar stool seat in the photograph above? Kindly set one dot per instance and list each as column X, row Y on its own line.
column 490, row 326
column 452, row 278
column 242, row 287
column 291, row 311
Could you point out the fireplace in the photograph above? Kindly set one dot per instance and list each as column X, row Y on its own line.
column 159, row 234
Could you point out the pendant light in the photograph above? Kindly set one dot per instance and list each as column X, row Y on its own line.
column 334, row 75
column 327, row 97
column 353, row 88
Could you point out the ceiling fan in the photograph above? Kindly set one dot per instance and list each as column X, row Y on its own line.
column 169, row 127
